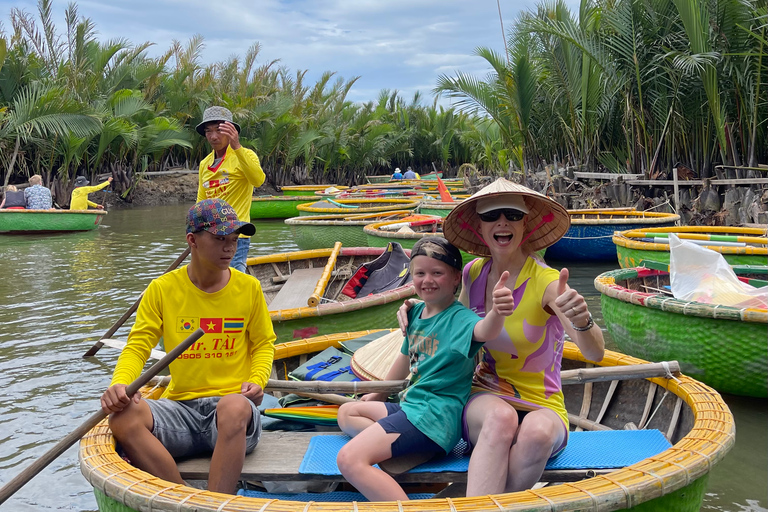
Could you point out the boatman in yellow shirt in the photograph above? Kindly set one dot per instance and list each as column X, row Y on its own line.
column 79, row 199
column 217, row 384
column 230, row 172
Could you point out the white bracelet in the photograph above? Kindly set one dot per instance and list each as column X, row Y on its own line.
column 587, row 327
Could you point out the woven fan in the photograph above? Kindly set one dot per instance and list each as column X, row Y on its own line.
column 372, row 362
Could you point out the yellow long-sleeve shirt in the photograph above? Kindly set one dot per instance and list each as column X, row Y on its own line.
column 238, row 345
column 80, row 201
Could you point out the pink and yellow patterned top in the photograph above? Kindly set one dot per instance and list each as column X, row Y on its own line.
column 529, row 377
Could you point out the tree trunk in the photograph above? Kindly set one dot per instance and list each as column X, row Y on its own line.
column 13, row 162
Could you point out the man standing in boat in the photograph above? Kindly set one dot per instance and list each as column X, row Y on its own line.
column 217, row 384
column 230, row 172
column 79, row 199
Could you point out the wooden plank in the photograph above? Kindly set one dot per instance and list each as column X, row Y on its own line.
column 691, row 183
column 605, row 176
column 296, row 289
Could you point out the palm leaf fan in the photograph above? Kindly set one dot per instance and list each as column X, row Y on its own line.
column 373, row 361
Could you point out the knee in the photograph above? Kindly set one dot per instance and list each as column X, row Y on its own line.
column 129, row 421
column 500, row 426
column 346, row 460
column 345, row 411
column 539, row 434
column 233, row 414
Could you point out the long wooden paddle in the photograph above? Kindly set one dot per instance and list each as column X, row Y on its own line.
column 112, row 330
column 25, row 476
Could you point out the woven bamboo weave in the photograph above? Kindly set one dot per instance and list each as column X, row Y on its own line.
column 592, row 217
column 710, row 438
column 364, row 206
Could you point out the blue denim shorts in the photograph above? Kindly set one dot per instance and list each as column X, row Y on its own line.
column 411, row 440
column 188, row 427
column 241, row 254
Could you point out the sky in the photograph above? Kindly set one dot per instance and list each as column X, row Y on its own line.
column 401, row 45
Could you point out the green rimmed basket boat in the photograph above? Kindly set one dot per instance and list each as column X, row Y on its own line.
column 321, row 231
column 49, row 221
column 723, row 346
column 440, row 208
column 691, row 415
column 632, row 250
column 307, row 190
column 277, row 207
column 356, row 206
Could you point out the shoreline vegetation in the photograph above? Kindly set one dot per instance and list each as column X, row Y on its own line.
column 620, row 87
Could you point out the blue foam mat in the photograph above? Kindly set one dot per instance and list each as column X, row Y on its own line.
column 320, row 496
column 601, row 449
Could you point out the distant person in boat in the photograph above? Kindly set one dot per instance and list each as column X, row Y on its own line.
column 438, row 352
column 398, row 174
column 13, row 199
column 515, row 419
column 79, row 200
column 217, row 384
column 37, row 196
column 410, row 175
column 230, row 172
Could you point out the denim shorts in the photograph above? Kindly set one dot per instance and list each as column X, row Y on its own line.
column 188, row 427
column 411, row 440
column 241, row 254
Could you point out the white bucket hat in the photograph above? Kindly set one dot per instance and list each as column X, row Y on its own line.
column 212, row 114
column 546, row 221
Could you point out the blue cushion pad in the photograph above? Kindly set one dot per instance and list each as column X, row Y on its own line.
column 320, row 496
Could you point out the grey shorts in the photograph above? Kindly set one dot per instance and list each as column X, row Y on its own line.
column 188, row 427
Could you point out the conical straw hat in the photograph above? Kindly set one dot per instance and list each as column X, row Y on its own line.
column 547, row 221
column 373, row 361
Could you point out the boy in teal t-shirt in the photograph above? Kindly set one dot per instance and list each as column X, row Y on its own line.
column 438, row 352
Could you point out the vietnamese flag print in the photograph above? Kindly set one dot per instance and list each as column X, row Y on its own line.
column 212, row 325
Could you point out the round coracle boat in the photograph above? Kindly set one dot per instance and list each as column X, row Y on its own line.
column 440, row 208
column 590, row 236
column 353, row 206
column 277, row 207
column 321, row 231
column 689, row 414
column 306, row 190
column 723, row 346
column 739, row 246
column 49, row 221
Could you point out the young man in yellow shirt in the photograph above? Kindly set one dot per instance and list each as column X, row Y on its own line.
column 216, row 384
column 229, row 172
column 79, row 199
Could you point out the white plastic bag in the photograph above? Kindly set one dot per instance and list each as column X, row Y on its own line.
column 702, row 275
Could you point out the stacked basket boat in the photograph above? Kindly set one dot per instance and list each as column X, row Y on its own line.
column 321, row 231
column 352, row 206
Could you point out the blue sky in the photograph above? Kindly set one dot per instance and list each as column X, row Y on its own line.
column 390, row 44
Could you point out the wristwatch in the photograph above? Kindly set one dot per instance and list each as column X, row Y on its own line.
column 587, row 327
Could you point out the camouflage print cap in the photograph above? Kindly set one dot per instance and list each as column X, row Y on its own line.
column 217, row 217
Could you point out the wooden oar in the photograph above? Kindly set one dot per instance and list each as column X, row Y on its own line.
column 25, row 476
column 112, row 330
column 314, row 299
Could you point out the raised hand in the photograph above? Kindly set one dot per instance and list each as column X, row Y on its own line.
column 570, row 303
column 228, row 129
column 503, row 301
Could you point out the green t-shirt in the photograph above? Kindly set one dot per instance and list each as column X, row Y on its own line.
column 441, row 353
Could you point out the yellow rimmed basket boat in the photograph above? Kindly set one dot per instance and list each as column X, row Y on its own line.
column 590, row 236
column 307, row 190
column 739, row 246
column 321, row 231
column 277, row 207
column 49, row 221
column 690, row 414
column 356, row 206
column 723, row 346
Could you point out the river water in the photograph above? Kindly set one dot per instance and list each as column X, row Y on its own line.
column 60, row 293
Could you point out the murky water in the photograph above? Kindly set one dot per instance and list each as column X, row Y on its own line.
column 60, row 293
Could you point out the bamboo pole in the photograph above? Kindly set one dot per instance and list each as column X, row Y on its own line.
column 322, row 283
column 634, row 371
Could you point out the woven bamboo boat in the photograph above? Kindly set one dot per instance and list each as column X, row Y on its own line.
column 440, row 208
column 724, row 347
column 378, row 178
column 306, row 190
column 277, row 207
column 49, row 221
column 321, row 231
column 356, row 206
column 690, row 414
column 632, row 249
column 589, row 237
column 299, row 320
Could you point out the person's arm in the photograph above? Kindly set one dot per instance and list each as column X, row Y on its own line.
column 249, row 162
column 201, row 179
column 490, row 327
column 262, row 349
column 399, row 370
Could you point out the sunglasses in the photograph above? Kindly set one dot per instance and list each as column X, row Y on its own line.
column 511, row 215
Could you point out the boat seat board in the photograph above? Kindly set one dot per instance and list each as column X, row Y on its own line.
column 297, row 289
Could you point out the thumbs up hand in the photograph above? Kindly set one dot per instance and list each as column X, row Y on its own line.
column 503, row 301
column 570, row 303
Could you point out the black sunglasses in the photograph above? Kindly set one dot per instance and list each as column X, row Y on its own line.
column 511, row 214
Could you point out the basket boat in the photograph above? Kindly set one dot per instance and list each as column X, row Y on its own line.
column 291, row 315
column 306, row 190
column 321, row 231
column 353, row 206
column 724, row 347
column 277, row 207
column 589, row 237
column 690, row 414
column 632, row 249
column 378, row 178
column 49, row 221
column 440, row 208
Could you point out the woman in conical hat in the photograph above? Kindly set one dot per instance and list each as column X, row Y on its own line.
column 515, row 419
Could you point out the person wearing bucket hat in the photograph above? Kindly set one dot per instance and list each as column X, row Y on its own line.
column 79, row 199
column 515, row 419
column 211, row 405
column 229, row 172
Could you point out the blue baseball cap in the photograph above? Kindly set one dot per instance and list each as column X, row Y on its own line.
column 217, row 217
